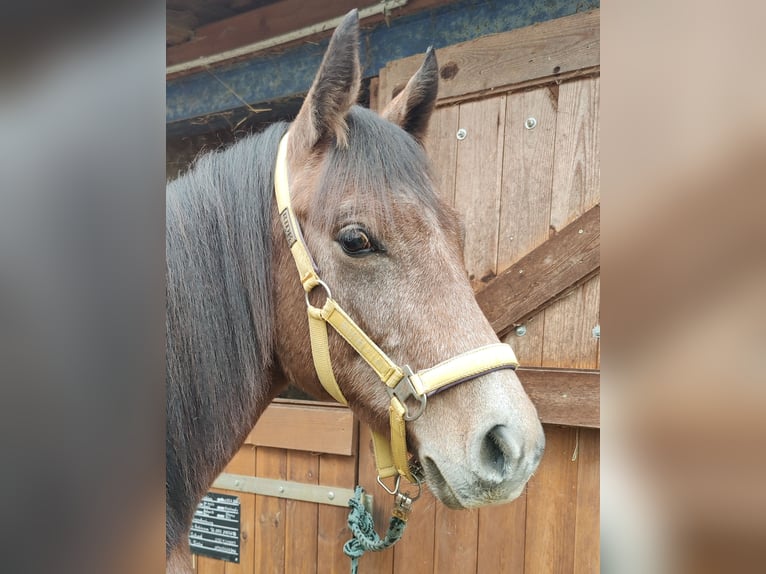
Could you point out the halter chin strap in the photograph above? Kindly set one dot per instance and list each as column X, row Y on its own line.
column 408, row 390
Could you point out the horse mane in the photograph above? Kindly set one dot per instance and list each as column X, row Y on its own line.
column 219, row 327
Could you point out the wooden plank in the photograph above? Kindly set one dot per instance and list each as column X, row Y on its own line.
column 270, row 513
column 414, row 552
column 274, row 20
column 540, row 53
column 576, row 170
column 378, row 562
column 569, row 342
column 456, row 533
column 441, row 145
column 587, row 542
column 312, row 428
column 525, row 198
column 528, row 348
column 569, row 257
column 551, row 505
column 333, row 529
column 564, row 397
column 502, row 537
column 477, row 193
column 207, row 565
column 301, row 517
column 244, row 463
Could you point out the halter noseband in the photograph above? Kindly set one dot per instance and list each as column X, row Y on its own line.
column 404, row 387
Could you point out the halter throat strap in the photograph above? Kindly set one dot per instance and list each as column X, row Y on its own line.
column 407, row 390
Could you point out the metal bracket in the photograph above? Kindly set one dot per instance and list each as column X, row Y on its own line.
column 317, row 493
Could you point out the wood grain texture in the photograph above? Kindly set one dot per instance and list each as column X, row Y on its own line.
column 312, row 428
column 455, row 540
column 205, row 565
column 378, row 562
column 477, row 193
column 525, row 197
column 529, row 348
column 576, row 170
column 569, row 342
column 273, row 20
column 441, row 145
column 529, row 284
column 270, row 513
column 502, row 532
column 540, row 53
column 564, row 397
column 414, row 552
column 333, row 530
column 551, row 505
column 301, row 518
column 244, row 463
column 587, row 541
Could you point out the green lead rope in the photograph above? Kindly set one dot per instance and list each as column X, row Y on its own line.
column 363, row 528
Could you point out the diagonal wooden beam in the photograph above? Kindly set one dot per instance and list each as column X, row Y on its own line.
column 567, row 259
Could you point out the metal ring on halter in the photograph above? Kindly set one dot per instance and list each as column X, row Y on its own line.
column 421, row 408
column 319, row 283
column 396, row 490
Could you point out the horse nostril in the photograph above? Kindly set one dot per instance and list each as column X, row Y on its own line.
column 495, row 450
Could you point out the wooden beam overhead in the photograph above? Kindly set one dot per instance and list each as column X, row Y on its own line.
column 564, row 261
column 290, row 70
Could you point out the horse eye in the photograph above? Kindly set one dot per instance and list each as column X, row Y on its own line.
column 355, row 241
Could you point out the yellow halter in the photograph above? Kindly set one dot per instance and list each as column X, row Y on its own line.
column 401, row 383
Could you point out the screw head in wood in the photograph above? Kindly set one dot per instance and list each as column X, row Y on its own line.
column 461, row 133
column 530, row 123
column 521, row 330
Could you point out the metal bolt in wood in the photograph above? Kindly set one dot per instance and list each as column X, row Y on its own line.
column 530, row 123
column 461, row 133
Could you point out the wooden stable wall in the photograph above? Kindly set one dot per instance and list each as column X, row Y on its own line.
column 529, row 196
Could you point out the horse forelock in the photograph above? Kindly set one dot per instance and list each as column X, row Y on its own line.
column 382, row 169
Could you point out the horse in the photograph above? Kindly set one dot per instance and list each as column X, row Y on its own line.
column 391, row 251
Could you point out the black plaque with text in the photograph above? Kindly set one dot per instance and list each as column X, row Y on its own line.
column 215, row 527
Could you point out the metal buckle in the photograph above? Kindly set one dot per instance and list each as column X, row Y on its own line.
column 404, row 390
column 396, row 492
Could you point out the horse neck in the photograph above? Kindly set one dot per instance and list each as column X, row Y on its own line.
column 220, row 325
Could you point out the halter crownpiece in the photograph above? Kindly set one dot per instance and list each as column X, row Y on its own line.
column 405, row 387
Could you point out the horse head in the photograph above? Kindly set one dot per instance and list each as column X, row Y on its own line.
column 391, row 253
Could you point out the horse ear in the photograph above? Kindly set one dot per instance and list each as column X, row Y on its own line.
column 335, row 88
column 411, row 108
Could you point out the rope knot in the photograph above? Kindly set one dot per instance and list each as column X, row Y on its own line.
column 362, row 527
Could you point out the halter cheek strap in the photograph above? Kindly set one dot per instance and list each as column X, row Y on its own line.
column 405, row 388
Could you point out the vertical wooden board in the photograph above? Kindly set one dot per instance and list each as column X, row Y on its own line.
column 270, row 513
column 207, row 565
column 525, row 199
column 576, row 172
column 334, row 470
column 441, row 146
column 502, row 530
column 587, row 542
column 528, row 348
column 244, row 463
column 414, row 552
column 551, row 505
column 477, row 183
column 569, row 342
column 455, row 540
column 301, row 517
column 378, row 562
